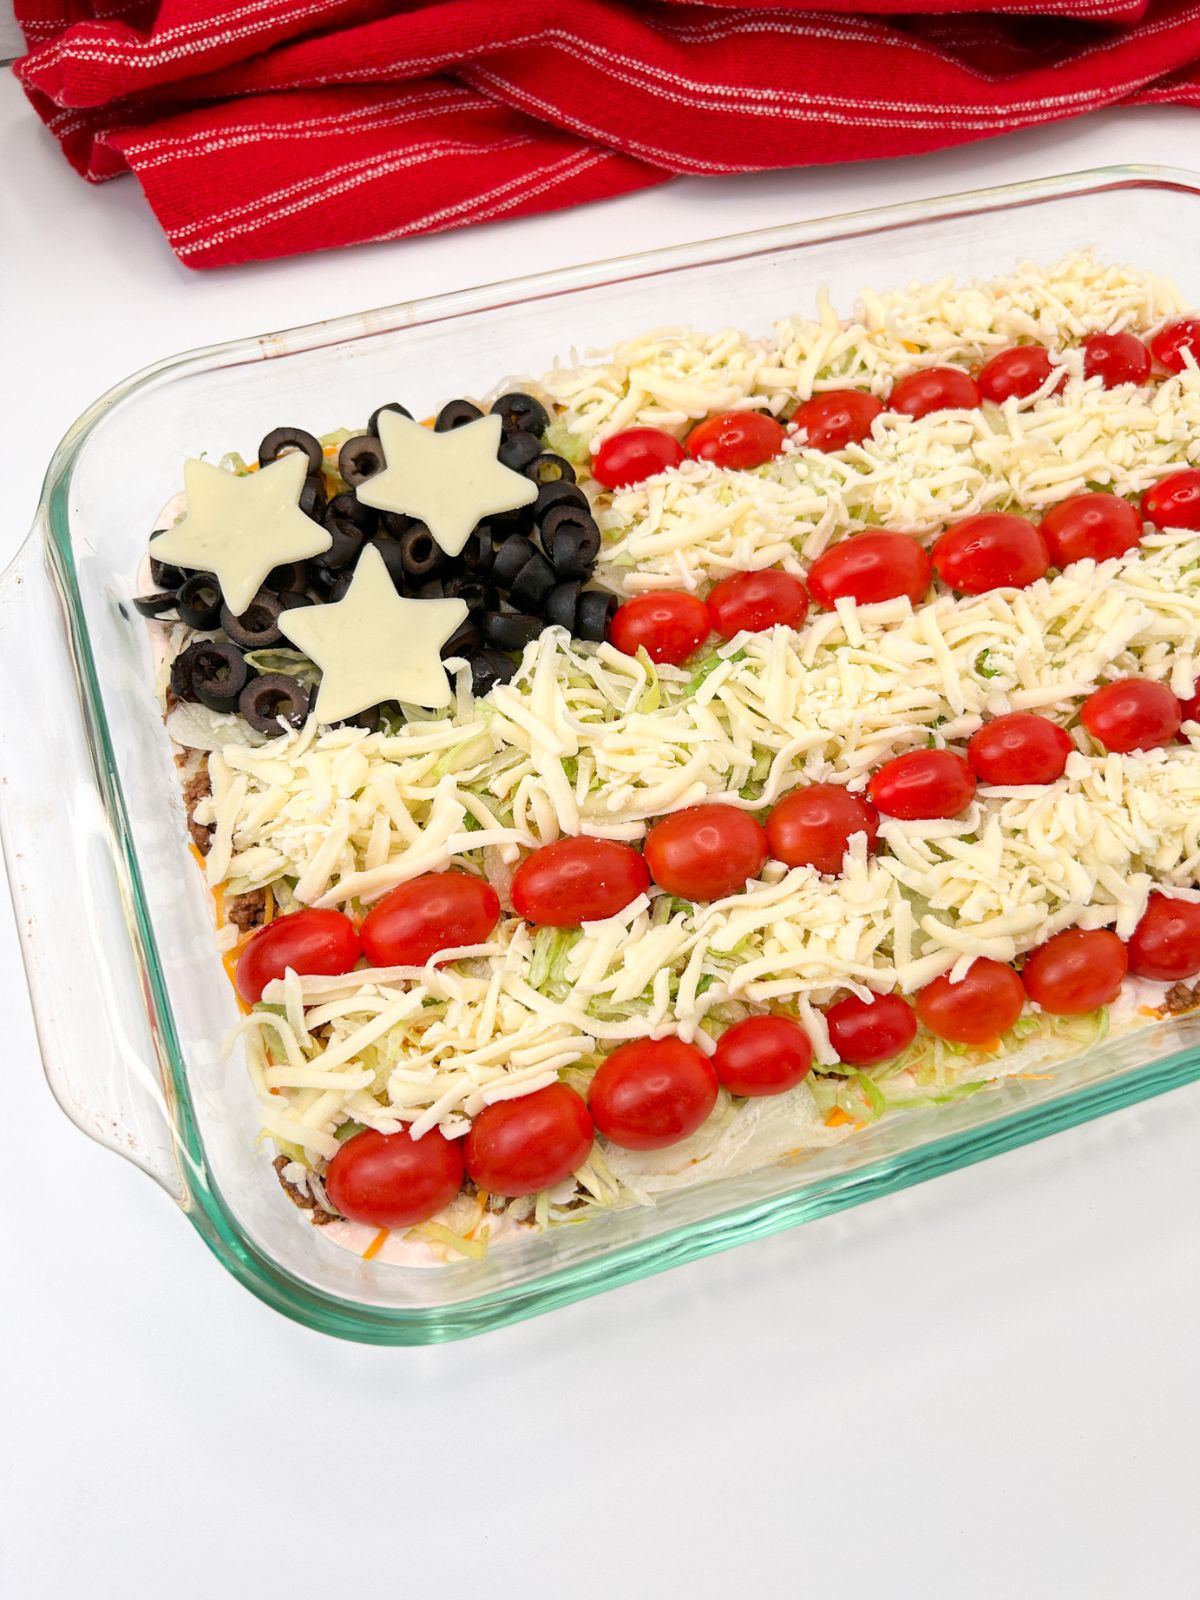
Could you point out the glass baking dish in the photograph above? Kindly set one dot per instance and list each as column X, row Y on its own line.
column 128, row 990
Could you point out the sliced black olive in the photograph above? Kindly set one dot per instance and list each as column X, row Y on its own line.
column 281, row 440
column 258, row 625
column 510, row 630
column 347, row 544
column 574, row 549
column 392, row 405
column 323, row 578
column 505, row 523
column 547, row 468
column 466, row 639
column 533, row 583
column 517, row 450
column 389, row 549
column 521, row 413
column 558, row 493
column 454, row 414
column 153, row 605
column 181, row 672
column 479, row 552
column 395, row 523
column 200, row 601
column 420, row 554
column 339, row 588
column 556, row 516
column 349, row 508
column 312, row 498
column 219, row 674
column 593, row 615
column 490, row 667
column 264, row 700
column 164, row 575
column 360, row 458
column 474, row 590
column 291, row 598
column 559, row 605
column 510, row 558
column 431, row 589
column 368, row 719
column 290, row 578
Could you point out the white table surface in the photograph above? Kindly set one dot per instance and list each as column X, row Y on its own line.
column 987, row 1386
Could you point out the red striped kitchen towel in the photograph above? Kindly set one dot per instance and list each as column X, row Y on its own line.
column 262, row 128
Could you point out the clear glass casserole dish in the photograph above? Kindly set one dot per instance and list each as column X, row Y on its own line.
column 129, row 993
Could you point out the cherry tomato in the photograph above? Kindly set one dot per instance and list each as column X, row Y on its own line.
column 935, row 389
column 837, row 418
column 1170, row 343
column 978, row 1009
column 1019, row 748
column 993, row 551
column 306, row 941
column 812, row 827
column 1090, row 527
column 762, row 1055
column 1019, row 371
column 391, row 1180
column 1075, row 971
column 633, row 455
column 866, row 1031
column 652, row 1092
column 669, row 625
column 1132, row 714
column 1116, row 358
column 869, row 568
column 705, row 852
column 752, row 601
column 1190, row 708
column 578, row 880
column 1174, row 502
column 522, row 1146
column 738, row 439
column 923, row 784
column 437, row 911
column 1166, row 942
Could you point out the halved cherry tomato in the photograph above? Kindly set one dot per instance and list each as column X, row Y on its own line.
column 437, row 911
column 635, row 454
column 306, row 941
column 1019, row 747
column 1132, row 714
column 1174, row 502
column 923, row 784
column 752, row 601
column 871, row 567
column 651, row 1093
column 992, row 551
column 1116, row 358
column 837, row 418
column 813, row 827
column 705, row 852
column 738, row 439
column 864, row 1032
column 935, row 389
column 1092, row 527
column 1169, row 344
column 578, row 880
column 1019, row 371
column 522, row 1146
column 976, row 1010
column 762, row 1055
column 1166, row 943
column 391, row 1180
column 1075, row 971
column 668, row 625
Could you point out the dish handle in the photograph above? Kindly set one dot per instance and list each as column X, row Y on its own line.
column 68, row 884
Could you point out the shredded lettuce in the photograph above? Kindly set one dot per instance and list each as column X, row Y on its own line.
column 291, row 662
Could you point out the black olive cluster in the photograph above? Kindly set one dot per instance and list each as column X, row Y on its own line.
column 519, row 572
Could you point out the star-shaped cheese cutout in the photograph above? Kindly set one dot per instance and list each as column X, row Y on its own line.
column 449, row 481
column 240, row 528
column 373, row 646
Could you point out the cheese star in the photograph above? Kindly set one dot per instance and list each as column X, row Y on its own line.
column 240, row 528
column 449, row 481
column 373, row 646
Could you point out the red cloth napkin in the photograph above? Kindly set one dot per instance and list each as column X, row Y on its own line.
column 262, row 128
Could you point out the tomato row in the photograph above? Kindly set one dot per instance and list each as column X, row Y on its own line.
column 836, row 418
column 990, row 551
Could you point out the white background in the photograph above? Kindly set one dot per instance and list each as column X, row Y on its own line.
column 984, row 1387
